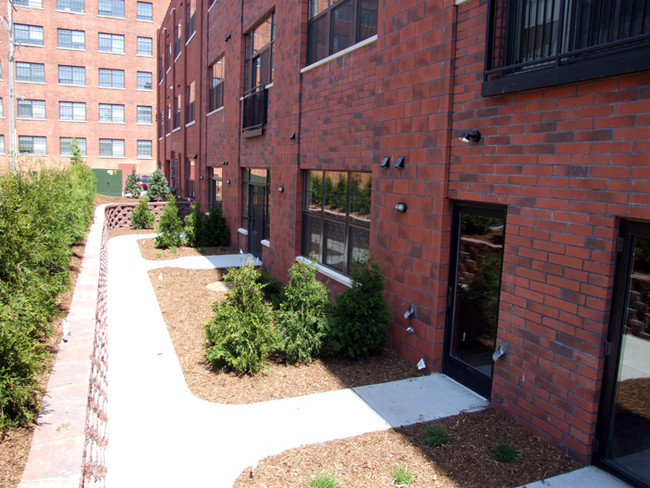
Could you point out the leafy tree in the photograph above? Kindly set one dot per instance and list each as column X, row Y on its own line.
column 302, row 321
column 240, row 335
column 143, row 217
column 132, row 185
column 158, row 187
column 207, row 230
column 170, row 227
column 360, row 319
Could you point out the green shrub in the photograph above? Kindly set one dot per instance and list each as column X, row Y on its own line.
column 402, row 474
column 209, row 230
column 273, row 288
column 240, row 335
column 302, row 320
column 360, row 318
column 132, row 184
column 143, row 217
column 157, row 187
column 170, row 227
column 504, row 452
column 324, row 480
column 435, row 435
column 193, row 226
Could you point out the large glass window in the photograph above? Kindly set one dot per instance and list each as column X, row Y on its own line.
column 111, row 78
column 255, row 207
column 32, row 145
column 336, row 218
column 31, row 109
column 145, row 11
column 71, row 39
column 190, row 98
column 65, row 146
column 29, row 3
column 145, row 80
column 113, row 148
column 70, row 5
column 111, row 43
column 569, row 40
column 29, row 35
column 111, row 8
column 190, row 21
column 144, row 149
column 111, row 112
column 337, row 24
column 2, row 144
column 31, row 72
column 144, row 114
column 72, row 75
column 216, row 80
column 259, row 54
column 145, row 46
column 75, row 111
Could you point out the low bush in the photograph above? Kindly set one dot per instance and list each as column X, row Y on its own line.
column 193, row 226
column 273, row 288
column 209, row 230
column 170, row 227
column 132, row 184
column 361, row 317
column 302, row 321
column 504, row 452
column 158, row 186
column 240, row 334
column 143, row 217
column 435, row 435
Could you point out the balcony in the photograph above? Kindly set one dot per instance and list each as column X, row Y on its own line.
column 254, row 111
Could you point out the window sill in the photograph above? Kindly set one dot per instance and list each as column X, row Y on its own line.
column 72, row 84
column 111, row 88
column 191, row 37
column 144, row 55
column 111, row 122
column 144, row 157
column 144, row 123
column 78, row 49
column 242, row 231
column 176, row 129
column 266, row 243
column 75, row 121
column 190, row 124
column 111, row 157
column 104, row 16
column 35, row 82
column 70, row 12
column 330, row 273
column 336, row 55
column 145, row 20
column 111, row 52
column 215, row 111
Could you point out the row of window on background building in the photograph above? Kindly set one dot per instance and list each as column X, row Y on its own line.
column 114, row 148
column 76, row 75
column 76, row 111
column 107, row 8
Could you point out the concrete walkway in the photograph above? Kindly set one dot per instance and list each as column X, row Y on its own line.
column 161, row 435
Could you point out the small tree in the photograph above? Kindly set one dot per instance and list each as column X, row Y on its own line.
column 240, row 335
column 170, row 227
column 193, row 226
column 158, row 187
column 143, row 217
column 302, row 321
column 132, row 185
column 361, row 317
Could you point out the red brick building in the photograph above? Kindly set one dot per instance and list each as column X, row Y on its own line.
column 84, row 69
column 493, row 155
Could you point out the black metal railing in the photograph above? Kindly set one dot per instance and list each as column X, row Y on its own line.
column 525, row 35
column 254, row 111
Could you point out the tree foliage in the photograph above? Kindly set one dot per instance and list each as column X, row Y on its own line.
column 132, row 184
column 170, row 227
column 143, row 217
column 158, row 186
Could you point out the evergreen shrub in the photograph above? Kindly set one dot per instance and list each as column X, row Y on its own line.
column 143, row 217
column 158, row 187
column 132, row 184
column 209, row 230
column 170, row 227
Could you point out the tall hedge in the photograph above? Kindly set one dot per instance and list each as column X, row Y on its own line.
column 41, row 216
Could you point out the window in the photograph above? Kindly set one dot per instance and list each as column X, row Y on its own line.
column 72, row 75
column 259, row 55
column 177, row 40
column 335, row 25
column 215, row 186
column 111, row 148
column 161, row 70
column 145, row 46
column 145, row 80
column 71, row 39
column 177, row 112
column 65, row 146
column 31, row 109
column 211, row 3
column 2, row 144
column 190, row 97
column 70, row 5
column 111, row 43
column 75, row 111
column 2, row 110
column 256, row 186
column 537, row 43
column 29, row 35
column 159, row 121
column 32, row 145
column 111, row 78
column 145, row 11
column 169, row 55
column 111, row 8
column 168, row 119
column 190, row 19
column 29, row 3
column 109, row 112
column 32, row 72
column 144, row 114
column 336, row 218
column 144, row 149
column 215, row 84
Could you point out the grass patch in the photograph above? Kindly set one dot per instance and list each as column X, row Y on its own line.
column 435, row 435
column 504, row 452
column 324, row 480
column 402, row 474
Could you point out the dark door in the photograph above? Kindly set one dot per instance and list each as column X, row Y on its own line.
column 624, row 420
column 257, row 219
column 473, row 296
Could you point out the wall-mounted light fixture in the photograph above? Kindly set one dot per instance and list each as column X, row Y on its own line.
column 228, row 182
column 471, row 136
column 293, row 137
column 385, row 163
column 501, row 350
column 410, row 312
column 196, row 156
column 400, row 162
column 228, row 37
column 225, row 163
column 401, row 207
column 280, row 189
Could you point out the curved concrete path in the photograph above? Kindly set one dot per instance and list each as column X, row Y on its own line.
column 161, row 435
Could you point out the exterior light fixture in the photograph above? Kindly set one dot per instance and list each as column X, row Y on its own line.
column 385, row 163
column 228, row 181
column 471, row 136
column 228, row 37
column 400, row 162
column 281, row 189
column 410, row 312
column 401, row 207
column 293, row 137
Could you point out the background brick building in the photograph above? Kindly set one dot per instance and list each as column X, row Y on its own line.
column 84, row 69
column 523, row 248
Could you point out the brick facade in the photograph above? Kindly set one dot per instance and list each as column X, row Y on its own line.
column 566, row 163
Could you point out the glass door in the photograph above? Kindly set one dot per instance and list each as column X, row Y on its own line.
column 624, row 421
column 473, row 296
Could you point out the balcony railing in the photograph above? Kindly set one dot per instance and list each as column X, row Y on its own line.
column 254, row 112
column 573, row 40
